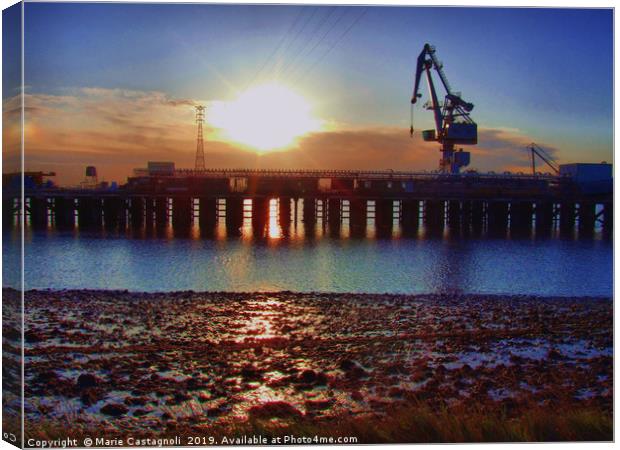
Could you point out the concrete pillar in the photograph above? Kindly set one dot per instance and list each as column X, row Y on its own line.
column 64, row 213
column 136, row 212
column 284, row 211
column 161, row 212
column 90, row 212
column 182, row 212
column 334, row 212
column 410, row 214
column 544, row 217
column 149, row 212
column 8, row 211
column 38, row 212
column 295, row 211
column 497, row 216
column 260, row 212
column 567, row 216
column 587, row 217
column 309, row 211
column 114, row 212
column 466, row 214
column 454, row 214
column 434, row 214
column 477, row 215
column 608, row 217
column 207, row 214
column 234, row 213
column 521, row 216
column 358, row 214
column 384, row 215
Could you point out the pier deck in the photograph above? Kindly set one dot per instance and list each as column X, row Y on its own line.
column 470, row 200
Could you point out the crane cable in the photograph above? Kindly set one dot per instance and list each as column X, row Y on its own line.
column 411, row 128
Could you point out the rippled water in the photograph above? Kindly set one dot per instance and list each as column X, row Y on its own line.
column 298, row 262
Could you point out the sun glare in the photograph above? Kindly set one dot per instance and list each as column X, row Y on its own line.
column 265, row 118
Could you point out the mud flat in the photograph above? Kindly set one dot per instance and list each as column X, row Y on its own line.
column 380, row 368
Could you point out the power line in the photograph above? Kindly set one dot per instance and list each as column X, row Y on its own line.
column 306, row 22
column 279, row 46
column 329, row 30
column 308, row 42
column 342, row 36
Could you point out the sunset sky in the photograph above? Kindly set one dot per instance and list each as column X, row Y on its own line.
column 114, row 85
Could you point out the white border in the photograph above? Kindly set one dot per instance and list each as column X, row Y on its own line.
column 472, row 3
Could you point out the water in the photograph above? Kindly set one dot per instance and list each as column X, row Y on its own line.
column 551, row 266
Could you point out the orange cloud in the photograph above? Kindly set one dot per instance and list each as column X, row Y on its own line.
column 118, row 130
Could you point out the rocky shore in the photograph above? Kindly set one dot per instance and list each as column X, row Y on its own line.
column 120, row 362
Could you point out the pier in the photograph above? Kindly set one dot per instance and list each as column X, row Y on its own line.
column 469, row 202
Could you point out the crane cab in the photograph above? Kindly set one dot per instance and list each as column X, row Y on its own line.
column 429, row 135
column 462, row 133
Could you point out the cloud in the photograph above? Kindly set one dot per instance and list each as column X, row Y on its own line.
column 118, row 130
column 11, row 134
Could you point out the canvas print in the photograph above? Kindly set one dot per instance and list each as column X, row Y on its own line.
column 230, row 224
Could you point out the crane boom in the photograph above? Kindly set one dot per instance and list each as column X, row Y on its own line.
column 452, row 122
column 537, row 150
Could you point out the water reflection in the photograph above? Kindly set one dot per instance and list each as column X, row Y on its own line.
column 310, row 258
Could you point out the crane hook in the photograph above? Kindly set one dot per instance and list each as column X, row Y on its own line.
column 411, row 128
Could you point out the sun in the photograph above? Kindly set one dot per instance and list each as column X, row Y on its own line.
column 265, row 118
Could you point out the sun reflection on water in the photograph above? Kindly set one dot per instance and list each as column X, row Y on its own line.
column 274, row 230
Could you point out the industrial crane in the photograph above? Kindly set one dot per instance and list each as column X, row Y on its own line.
column 452, row 122
column 537, row 150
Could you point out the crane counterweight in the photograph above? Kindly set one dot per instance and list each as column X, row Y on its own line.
column 453, row 125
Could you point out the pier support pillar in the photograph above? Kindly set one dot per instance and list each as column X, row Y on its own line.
column 309, row 211
column 466, row 215
column 113, row 212
column 567, row 216
column 149, row 212
column 477, row 216
column 409, row 214
column 521, row 216
column 454, row 214
column 161, row 212
column 284, row 211
column 90, row 212
column 8, row 211
column 587, row 217
column 544, row 217
column 608, row 217
column 136, row 212
column 358, row 215
column 182, row 212
column 38, row 212
column 295, row 211
column 497, row 216
column 234, row 213
column 64, row 213
column 207, row 214
column 434, row 214
column 334, row 212
column 384, row 215
column 260, row 212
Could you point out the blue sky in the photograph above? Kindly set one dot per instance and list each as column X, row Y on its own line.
column 544, row 72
